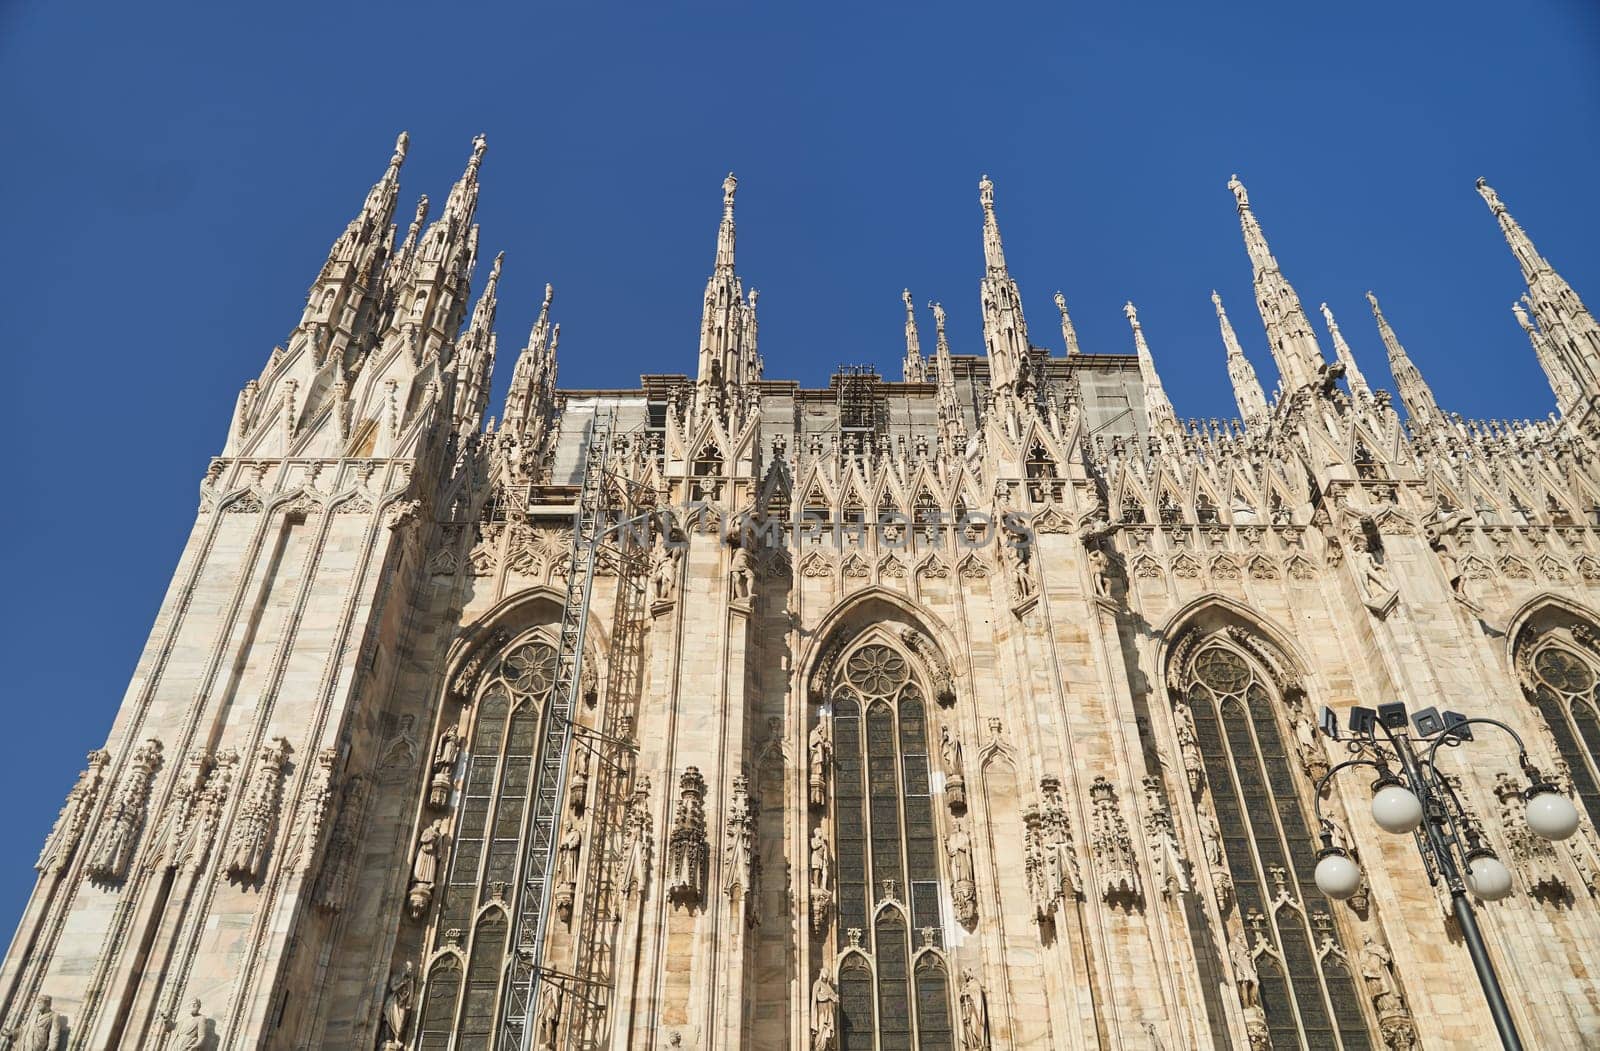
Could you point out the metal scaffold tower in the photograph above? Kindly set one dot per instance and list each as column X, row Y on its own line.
column 540, row 831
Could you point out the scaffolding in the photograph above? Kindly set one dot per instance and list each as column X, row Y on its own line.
column 533, row 895
column 856, row 393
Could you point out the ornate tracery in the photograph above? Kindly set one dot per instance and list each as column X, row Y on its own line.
column 1295, row 977
column 1560, row 672
column 894, row 985
column 471, row 922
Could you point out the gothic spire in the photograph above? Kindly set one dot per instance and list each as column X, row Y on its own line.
column 1156, row 404
column 727, row 350
column 1341, row 350
column 474, row 357
column 1421, row 408
column 1005, row 331
column 1069, row 335
column 529, row 401
column 915, row 369
column 1567, row 396
column 949, row 405
column 1294, row 346
column 1246, row 388
column 1571, row 336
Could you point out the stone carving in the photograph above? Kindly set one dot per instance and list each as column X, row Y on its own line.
column 395, row 1016
column 124, row 818
column 1113, row 847
column 741, row 574
column 578, row 787
column 1308, row 745
column 74, row 816
column 824, row 1013
column 821, row 868
column 466, row 678
column 432, row 845
column 743, row 861
column 955, row 783
column 820, row 748
column 312, row 817
column 566, row 881
column 1170, row 870
column 974, row 1014
column 963, row 889
column 256, row 824
column 663, row 570
column 687, row 853
column 190, row 1032
column 1377, row 969
column 944, row 683
column 44, row 1030
column 1189, row 745
column 1376, row 584
column 1532, row 856
column 445, row 755
column 547, row 1023
column 636, row 860
column 1049, row 855
column 339, row 859
column 1244, row 970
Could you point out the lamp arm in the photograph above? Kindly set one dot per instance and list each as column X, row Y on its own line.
column 1451, row 736
column 1323, row 824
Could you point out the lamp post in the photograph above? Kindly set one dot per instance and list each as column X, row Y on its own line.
column 1410, row 795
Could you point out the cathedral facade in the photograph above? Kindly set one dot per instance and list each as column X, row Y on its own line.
column 977, row 709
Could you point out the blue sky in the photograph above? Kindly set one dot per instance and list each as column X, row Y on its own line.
column 178, row 171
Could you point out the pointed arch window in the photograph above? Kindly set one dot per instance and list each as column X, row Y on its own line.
column 1561, row 677
column 1261, row 805
column 894, row 992
column 487, row 846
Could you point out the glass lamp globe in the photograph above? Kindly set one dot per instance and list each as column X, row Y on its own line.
column 1551, row 814
column 1396, row 809
column 1337, row 875
column 1488, row 877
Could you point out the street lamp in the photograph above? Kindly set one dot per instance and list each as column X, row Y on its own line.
column 1410, row 795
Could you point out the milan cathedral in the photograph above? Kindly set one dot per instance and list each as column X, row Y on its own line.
column 978, row 709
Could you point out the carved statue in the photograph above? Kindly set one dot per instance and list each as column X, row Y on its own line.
column 974, row 1014
column 963, row 891
column 42, row 1032
column 821, row 864
column 1313, row 757
column 567, row 853
column 741, row 573
column 820, row 747
column 397, row 1007
column 824, row 1012
column 1244, row 971
column 1100, row 570
column 955, row 782
column 191, row 1031
column 663, row 570
column 1377, row 967
column 1374, row 575
column 444, row 766
column 425, row 868
column 256, row 826
column 1189, row 746
column 546, row 1024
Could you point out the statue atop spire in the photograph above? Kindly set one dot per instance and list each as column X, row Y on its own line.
column 951, row 424
column 1567, row 395
column 1069, row 335
column 730, row 186
column 1422, row 410
column 1570, row 336
column 1005, row 331
column 1157, row 406
column 1341, row 350
column 728, row 354
column 1294, row 345
column 1247, row 393
column 915, row 369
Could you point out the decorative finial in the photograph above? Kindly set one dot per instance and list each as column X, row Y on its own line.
column 549, row 295
column 1216, row 300
column 480, row 143
column 499, row 261
column 1490, row 198
column 985, row 192
column 1069, row 335
column 401, row 145
column 729, row 185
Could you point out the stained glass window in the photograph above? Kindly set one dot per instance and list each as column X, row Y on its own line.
column 1259, row 796
column 887, row 860
column 1566, row 693
column 486, row 844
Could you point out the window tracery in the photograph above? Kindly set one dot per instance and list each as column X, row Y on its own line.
column 894, row 991
column 1301, row 978
column 459, row 1004
column 1560, row 672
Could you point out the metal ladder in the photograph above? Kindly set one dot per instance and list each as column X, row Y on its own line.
column 541, row 825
